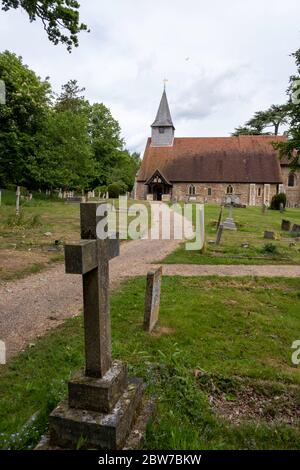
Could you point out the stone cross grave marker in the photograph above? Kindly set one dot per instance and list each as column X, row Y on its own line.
column 152, row 299
column 102, row 402
column 229, row 223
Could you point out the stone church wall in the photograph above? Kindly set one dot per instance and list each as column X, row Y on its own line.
column 292, row 193
column 215, row 192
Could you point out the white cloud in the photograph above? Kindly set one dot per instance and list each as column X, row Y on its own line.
column 238, row 59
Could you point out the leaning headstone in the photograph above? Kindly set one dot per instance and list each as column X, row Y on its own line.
column 219, row 234
column 286, row 225
column 269, row 235
column 220, row 216
column 102, row 401
column 152, row 299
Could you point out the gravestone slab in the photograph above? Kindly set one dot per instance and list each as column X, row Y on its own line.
column 152, row 299
column 286, row 225
column 269, row 235
column 296, row 228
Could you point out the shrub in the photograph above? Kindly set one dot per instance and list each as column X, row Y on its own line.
column 269, row 248
column 277, row 200
column 115, row 189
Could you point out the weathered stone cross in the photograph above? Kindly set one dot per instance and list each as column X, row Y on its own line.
column 103, row 401
column 90, row 257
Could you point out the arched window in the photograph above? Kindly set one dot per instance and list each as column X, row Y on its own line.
column 192, row 190
column 259, row 192
column 229, row 189
column 291, row 180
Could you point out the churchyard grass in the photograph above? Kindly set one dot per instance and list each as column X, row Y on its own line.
column 218, row 363
column 251, row 224
column 27, row 242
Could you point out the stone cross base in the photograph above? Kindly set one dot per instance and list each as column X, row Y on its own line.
column 229, row 224
column 99, row 413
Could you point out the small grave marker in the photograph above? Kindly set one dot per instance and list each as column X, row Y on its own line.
column 269, row 235
column 286, row 225
column 152, row 299
column 2, row 353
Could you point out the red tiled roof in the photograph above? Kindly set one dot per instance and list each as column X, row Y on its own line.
column 243, row 159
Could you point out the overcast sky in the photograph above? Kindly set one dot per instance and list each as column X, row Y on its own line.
column 223, row 60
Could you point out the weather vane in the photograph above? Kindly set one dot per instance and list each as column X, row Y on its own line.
column 165, row 80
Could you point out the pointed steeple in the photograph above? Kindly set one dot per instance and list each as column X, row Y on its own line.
column 163, row 127
column 163, row 117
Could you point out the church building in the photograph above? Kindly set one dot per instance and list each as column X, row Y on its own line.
column 205, row 169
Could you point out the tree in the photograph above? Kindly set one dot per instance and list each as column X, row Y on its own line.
column 290, row 149
column 275, row 116
column 65, row 157
column 105, row 134
column 245, row 130
column 71, row 98
column 60, row 18
column 125, row 170
column 21, row 118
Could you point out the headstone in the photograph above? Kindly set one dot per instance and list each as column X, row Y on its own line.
column 264, row 208
column 286, row 225
column 18, row 194
column 296, row 228
column 102, row 401
column 2, row 353
column 281, row 207
column 219, row 234
column 152, row 299
column 269, row 235
column 229, row 222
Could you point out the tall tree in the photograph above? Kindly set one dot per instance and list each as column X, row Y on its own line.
column 21, row 117
column 65, row 157
column 60, row 18
column 291, row 147
column 125, row 169
column 106, row 141
column 273, row 117
column 71, row 98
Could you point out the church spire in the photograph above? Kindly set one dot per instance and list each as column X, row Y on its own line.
column 163, row 127
column 163, row 117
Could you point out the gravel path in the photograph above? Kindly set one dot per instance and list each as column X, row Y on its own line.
column 32, row 306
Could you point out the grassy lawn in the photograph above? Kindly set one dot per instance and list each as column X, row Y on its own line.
column 251, row 224
column 219, row 365
column 27, row 242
